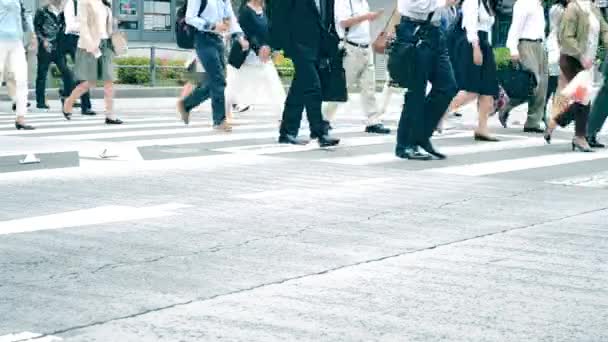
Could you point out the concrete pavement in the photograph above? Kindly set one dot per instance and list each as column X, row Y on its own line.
column 189, row 235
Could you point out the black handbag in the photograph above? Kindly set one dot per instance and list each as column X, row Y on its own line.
column 517, row 82
column 401, row 63
column 333, row 79
column 237, row 55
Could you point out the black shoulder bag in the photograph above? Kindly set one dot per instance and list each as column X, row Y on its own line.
column 401, row 63
column 333, row 75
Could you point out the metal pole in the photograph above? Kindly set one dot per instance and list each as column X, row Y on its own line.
column 153, row 66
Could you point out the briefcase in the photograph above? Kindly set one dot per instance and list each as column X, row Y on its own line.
column 517, row 82
column 333, row 80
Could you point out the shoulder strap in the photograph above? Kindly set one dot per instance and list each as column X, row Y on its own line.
column 352, row 14
column 75, row 8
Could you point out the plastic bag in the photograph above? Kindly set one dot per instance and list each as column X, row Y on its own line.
column 579, row 89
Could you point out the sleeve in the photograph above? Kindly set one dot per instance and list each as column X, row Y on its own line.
column 71, row 24
column 39, row 24
column 235, row 27
column 279, row 23
column 248, row 27
column 567, row 33
column 342, row 11
column 193, row 19
column 517, row 25
column 603, row 29
column 85, row 33
column 26, row 19
column 470, row 18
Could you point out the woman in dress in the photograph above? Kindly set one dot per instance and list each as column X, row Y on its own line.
column 474, row 64
column 581, row 29
column 257, row 80
column 94, row 56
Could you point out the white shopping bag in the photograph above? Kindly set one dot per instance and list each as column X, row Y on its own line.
column 579, row 89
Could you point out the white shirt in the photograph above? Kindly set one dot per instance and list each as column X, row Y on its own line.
column 360, row 33
column 102, row 21
column 528, row 23
column 475, row 18
column 420, row 9
column 72, row 24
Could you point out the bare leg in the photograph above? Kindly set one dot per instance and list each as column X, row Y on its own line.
column 485, row 106
column 108, row 97
column 80, row 90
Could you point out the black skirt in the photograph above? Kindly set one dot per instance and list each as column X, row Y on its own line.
column 479, row 79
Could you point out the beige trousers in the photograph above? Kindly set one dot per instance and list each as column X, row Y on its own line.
column 359, row 68
column 13, row 68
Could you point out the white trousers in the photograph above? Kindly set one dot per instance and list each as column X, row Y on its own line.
column 359, row 68
column 13, row 68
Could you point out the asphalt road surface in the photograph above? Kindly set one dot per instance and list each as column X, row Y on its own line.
column 153, row 231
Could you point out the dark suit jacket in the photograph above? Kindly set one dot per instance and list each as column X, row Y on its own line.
column 296, row 27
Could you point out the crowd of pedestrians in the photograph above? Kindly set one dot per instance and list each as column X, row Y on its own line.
column 330, row 44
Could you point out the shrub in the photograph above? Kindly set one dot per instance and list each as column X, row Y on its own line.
column 285, row 68
column 136, row 70
column 502, row 56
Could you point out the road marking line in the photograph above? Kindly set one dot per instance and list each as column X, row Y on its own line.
column 590, row 181
column 98, row 127
column 225, row 137
column 87, row 217
column 379, row 158
column 528, row 163
column 79, row 121
column 27, row 336
column 143, row 133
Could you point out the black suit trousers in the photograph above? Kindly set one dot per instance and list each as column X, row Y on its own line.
column 305, row 93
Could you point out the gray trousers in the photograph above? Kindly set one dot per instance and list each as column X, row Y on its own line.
column 533, row 58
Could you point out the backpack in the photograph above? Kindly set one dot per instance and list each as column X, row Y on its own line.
column 184, row 33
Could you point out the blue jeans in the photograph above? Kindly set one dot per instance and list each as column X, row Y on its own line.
column 421, row 112
column 210, row 51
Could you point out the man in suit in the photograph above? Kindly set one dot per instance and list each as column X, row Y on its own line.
column 304, row 30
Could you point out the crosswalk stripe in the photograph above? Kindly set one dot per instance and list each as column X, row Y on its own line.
column 99, row 127
column 79, row 121
column 344, row 142
column 27, row 336
column 143, row 133
column 528, row 163
column 225, row 137
column 379, row 158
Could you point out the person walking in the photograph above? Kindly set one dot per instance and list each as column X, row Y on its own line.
column 304, row 30
column 422, row 112
column 581, row 30
column 257, row 80
column 525, row 42
column 353, row 19
column 599, row 112
column 94, row 56
column 474, row 64
column 214, row 22
column 49, row 24
column 69, row 45
column 13, row 23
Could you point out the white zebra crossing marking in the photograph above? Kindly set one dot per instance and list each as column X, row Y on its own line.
column 528, row 163
column 98, row 126
column 87, row 217
column 27, row 336
column 379, row 158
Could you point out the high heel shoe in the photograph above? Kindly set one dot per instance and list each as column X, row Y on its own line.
column 26, row 127
column 66, row 115
column 580, row 148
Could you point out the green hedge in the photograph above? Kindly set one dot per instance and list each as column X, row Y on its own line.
column 136, row 70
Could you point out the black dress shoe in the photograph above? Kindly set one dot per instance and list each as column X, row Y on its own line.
column 593, row 142
column 15, row 106
column 25, row 127
column 411, row 153
column 377, row 129
column 290, row 139
column 67, row 116
column 43, row 107
column 428, row 147
column 327, row 141
column 533, row 130
column 113, row 121
column 88, row 112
